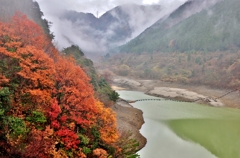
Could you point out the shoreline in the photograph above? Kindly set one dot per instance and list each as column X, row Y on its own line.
column 179, row 92
column 131, row 119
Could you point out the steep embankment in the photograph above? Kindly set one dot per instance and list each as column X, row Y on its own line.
column 47, row 105
column 130, row 120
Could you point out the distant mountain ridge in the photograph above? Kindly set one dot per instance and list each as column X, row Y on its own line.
column 113, row 28
column 186, row 10
column 191, row 27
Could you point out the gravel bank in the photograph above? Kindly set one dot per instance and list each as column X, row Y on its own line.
column 180, row 92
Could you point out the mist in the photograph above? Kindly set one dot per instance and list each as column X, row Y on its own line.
column 89, row 39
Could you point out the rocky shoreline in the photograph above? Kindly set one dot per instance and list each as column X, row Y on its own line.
column 180, row 92
column 131, row 119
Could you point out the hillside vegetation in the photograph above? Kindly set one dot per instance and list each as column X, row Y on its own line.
column 202, row 49
column 216, row 69
column 31, row 9
column 102, row 89
column 214, row 29
column 47, row 105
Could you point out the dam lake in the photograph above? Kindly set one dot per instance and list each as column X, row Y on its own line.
column 186, row 130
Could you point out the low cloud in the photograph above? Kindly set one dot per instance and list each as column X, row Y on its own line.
column 68, row 32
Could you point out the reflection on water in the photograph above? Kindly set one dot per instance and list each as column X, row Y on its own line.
column 163, row 143
column 216, row 129
column 220, row 136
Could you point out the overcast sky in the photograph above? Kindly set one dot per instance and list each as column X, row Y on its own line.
column 94, row 6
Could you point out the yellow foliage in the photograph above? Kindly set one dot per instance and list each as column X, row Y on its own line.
column 108, row 124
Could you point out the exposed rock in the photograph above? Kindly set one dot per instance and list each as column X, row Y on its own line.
column 130, row 119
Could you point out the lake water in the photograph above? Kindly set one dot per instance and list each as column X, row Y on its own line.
column 187, row 130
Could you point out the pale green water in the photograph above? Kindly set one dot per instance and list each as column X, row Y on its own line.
column 205, row 132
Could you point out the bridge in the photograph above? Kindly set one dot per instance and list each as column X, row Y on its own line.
column 133, row 101
column 203, row 99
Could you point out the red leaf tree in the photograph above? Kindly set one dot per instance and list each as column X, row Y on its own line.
column 46, row 99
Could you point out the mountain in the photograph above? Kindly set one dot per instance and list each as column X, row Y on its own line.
column 213, row 26
column 184, row 11
column 112, row 29
column 195, row 48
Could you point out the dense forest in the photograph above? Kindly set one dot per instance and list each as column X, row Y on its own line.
column 213, row 29
column 202, row 49
column 216, row 69
column 48, row 107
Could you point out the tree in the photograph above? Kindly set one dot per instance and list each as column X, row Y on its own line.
column 47, row 105
column 74, row 94
column 107, row 124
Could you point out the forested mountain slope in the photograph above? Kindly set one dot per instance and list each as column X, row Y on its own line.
column 9, row 7
column 102, row 89
column 48, row 108
column 212, row 29
column 202, row 49
column 45, row 98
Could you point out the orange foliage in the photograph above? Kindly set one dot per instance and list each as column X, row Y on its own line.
column 21, row 40
column 100, row 153
column 107, row 124
column 77, row 98
column 35, row 77
column 55, row 87
column 28, row 32
column 59, row 153
column 3, row 80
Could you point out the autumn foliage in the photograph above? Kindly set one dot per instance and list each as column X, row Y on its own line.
column 47, row 106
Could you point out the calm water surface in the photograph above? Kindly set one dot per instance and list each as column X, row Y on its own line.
column 187, row 130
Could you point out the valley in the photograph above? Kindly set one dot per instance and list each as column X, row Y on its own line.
column 216, row 70
column 188, row 47
column 191, row 52
column 110, row 79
